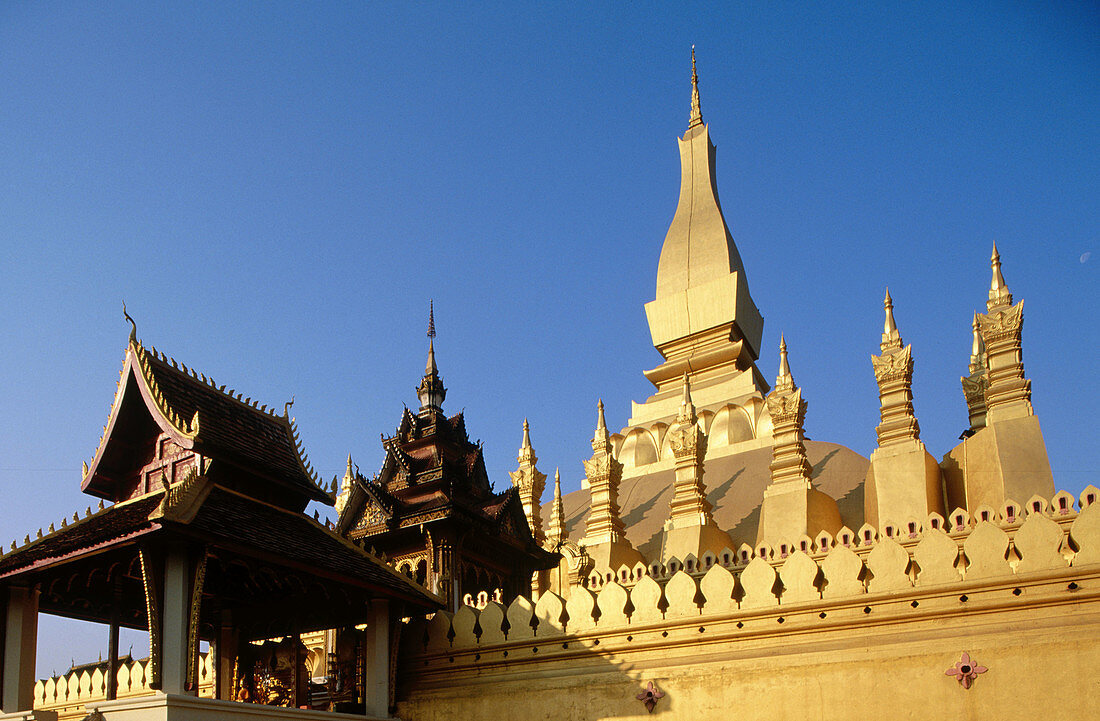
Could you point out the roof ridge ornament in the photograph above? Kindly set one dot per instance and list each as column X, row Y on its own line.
column 696, row 110
column 133, row 325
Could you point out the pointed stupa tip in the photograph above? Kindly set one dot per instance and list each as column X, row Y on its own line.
column 526, row 434
column 686, row 400
column 889, row 326
column 601, row 422
column 557, row 483
column 784, row 367
column 999, row 294
column 349, row 473
column 696, row 110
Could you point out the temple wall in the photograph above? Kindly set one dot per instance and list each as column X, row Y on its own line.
column 71, row 694
column 867, row 630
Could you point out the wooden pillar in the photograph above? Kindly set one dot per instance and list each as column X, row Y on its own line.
column 225, row 650
column 376, row 660
column 112, row 656
column 174, row 651
column 20, row 646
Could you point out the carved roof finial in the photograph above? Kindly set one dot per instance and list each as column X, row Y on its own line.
column 349, row 473
column 696, row 110
column 133, row 325
column 999, row 295
column 286, row 407
column 431, row 391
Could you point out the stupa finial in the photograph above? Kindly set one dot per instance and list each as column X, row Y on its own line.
column 891, row 338
column 999, row 295
column 784, row 376
column 431, row 391
column 696, row 110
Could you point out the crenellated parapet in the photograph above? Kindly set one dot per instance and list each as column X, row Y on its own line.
column 959, row 564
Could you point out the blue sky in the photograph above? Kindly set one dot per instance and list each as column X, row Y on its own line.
column 276, row 190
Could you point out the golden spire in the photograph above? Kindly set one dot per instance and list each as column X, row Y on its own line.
column 430, row 367
column 601, row 441
column 999, row 296
column 557, row 514
column 891, row 338
column 696, row 111
column 783, row 381
column 526, row 452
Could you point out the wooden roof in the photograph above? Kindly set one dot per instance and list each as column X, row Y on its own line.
column 203, row 417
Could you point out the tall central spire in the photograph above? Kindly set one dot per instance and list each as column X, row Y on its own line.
column 696, row 110
column 431, row 391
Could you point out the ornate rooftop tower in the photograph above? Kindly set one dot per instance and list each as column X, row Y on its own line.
column 702, row 319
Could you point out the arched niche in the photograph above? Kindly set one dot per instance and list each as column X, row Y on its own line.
column 731, row 424
column 638, row 448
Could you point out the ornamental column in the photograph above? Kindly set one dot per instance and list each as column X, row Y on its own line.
column 690, row 529
column 604, row 536
column 530, row 483
column 792, row 507
column 1007, row 459
column 903, row 480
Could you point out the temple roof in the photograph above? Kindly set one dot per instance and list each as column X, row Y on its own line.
column 201, row 416
column 225, row 522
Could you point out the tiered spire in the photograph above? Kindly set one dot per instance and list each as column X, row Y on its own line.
column 557, row 515
column 696, row 110
column 689, row 505
column 604, row 472
column 1008, row 393
column 894, row 375
column 788, row 412
column 792, row 507
column 530, row 483
column 431, row 391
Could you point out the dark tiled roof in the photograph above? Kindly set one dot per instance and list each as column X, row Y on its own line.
column 229, row 428
column 239, row 522
column 110, row 524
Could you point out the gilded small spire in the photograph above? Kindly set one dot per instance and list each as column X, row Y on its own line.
column 526, row 434
column 349, row 473
column 784, row 379
column 526, row 455
column 891, row 338
column 889, row 326
column 999, row 295
column 557, row 514
column 431, row 391
column 696, row 110
column 601, row 441
column 687, row 408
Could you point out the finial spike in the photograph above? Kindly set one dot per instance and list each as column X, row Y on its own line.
column 601, row 422
column 696, row 110
column 784, row 367
column 431, row 318
column 526, row 435
column 889, row 326
column 686, row 400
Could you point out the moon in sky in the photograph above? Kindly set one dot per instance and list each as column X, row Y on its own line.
column 1085, row 256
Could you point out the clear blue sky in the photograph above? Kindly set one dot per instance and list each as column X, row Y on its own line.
column 277, row 189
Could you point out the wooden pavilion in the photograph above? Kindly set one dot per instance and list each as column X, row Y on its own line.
column 201, row 535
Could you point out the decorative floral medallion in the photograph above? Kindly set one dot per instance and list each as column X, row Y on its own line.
column 965, row 671
column 650, row 696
